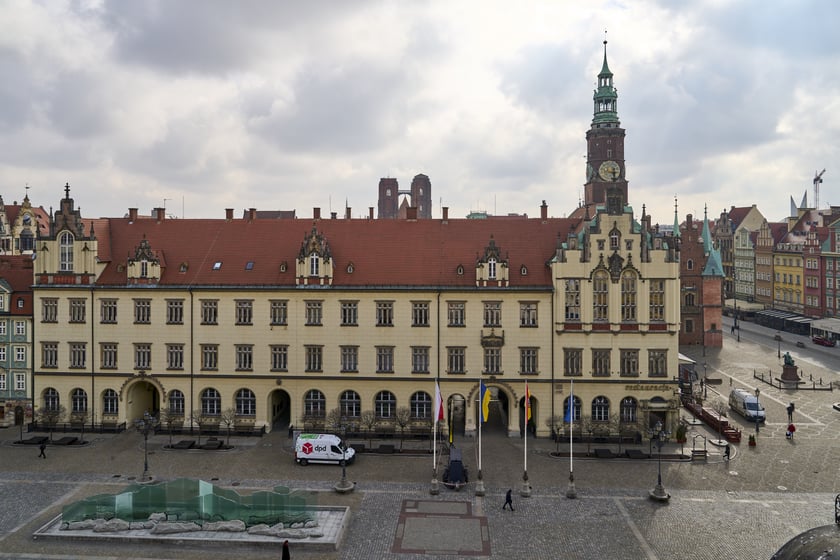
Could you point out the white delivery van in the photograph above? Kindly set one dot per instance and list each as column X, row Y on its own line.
column 322, row 448
column 746, row 404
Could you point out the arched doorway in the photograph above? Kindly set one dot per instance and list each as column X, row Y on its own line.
column 280, row 409
column 532, row 423
column 497, row 412
column 456, row 415
column 19, row 416
column 141, row 397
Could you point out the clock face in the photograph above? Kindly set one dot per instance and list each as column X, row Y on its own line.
column 609, row 171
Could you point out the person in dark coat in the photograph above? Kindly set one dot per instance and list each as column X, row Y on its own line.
column 286, row 555
column 509, row 500
column 43, row 448
column 726, row 451
column 790, row 409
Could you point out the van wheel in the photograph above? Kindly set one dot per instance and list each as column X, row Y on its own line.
column 304, row 462
column 342, row 463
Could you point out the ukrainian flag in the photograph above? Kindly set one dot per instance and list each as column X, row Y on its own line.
column 485, row 402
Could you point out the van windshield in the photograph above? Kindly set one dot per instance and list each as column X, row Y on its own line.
column 751, row 405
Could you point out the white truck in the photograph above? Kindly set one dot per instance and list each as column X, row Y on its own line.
column 322, row 448
column 746, row 404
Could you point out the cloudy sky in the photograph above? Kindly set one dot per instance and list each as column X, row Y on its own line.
column 279, row 105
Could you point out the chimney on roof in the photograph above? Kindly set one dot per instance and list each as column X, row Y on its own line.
column 132, row 214
column 228, row 214
column 411, row 213
column 370, row 212
column 446, row 212
column 160, row 214
column 544, row 211
column 333, row 215
column 252, row 214
column 347, row 213
column 316, row 213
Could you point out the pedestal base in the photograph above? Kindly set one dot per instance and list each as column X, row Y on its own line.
column 790, row 374
column 659, row 494
column 434, row 489
column 525, row 492
column 479, row 488
column 344, row 486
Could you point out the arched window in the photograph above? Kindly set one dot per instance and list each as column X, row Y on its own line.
column 314, row 404
column 65, row 252
column 314, row 264
column 600, row 296
column 600, row 409
column 421, row 406
column 351, row 404
column 27, row 240
column 690, row 300
column 385, row 404
column 689, row 264
column 246, row 403
column 575, row 409
column 110, row 402
column 628, row 296
column 51, row 399
column 176, row 403
column 211, row 402
column 628, row 410
column 491, row 268
column 79, row 401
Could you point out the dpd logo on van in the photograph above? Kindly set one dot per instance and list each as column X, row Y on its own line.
column 306, row 448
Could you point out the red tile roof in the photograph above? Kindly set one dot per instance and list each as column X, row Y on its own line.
column 383, row 252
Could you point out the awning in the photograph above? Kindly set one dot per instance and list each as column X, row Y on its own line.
column 686, row 360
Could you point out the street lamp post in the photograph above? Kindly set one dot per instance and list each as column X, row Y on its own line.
column 145, row 426
column 779, row 349
column 757, row 408
column 658, row 493
column 343, row 486
column 705, row 380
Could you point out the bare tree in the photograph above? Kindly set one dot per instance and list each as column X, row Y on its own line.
column 334, row 420
column 368, row 420
column 555, row 424
column 168, row 419
column 201, row 420
column 228, row 419
column 50, row 416
column 402, row 417
column 79, row 419
column 589, row 426
column 720, row 407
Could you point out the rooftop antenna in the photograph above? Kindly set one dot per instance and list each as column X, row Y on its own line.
column 817, row 181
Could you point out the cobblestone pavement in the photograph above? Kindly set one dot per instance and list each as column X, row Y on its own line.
column 744, row 509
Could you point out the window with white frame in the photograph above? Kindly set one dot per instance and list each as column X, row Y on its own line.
column 600, row 296
column 244, row 312
column 174, row 356
column 601, row 362
column 491, row 268
column 492, row 361
column 421, row 405
column 244, row 357
column 572, row 361
column 314, row 356
column 110, row 402
column 314, row 264
column 528, row 314
column 51, row 399
column 209, row 356
column 384, row 359
column 246, row 403
column 628, row 296
column 349, row 313
column 657, row 300
column 529, row 360
column 279, row 311
column 20, row 354
column 314, row 313
column 142, row 355
column 629, row 407
column 456, row 312
column 20, row 382
column 279, row 357
column 350, row 359
column 572, row 299
column 629, row 363
column 600, row 409
column 384, row 313
column 108, row 311
column 456, row 360
column 420, row 314
column 78, row 354
column 209, row 312
column 419, row 359
column 176, row 403
column 77, row 310
column 49, row 310
column 20, row 328
column 385, row 404
column 143, row 311
column 350, row 404
column 314, row 404
column 65, row 251
column 2, row 381
column 492, row 314
column 108, row 355
column 174, row 312
column 211, row 402
column 78, row 401
column 49, row 354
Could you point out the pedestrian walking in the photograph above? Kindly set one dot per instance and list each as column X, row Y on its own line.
column 509, row 500
column 286, row 555
column 43, row 448
column 790, row 409
column 726, row 451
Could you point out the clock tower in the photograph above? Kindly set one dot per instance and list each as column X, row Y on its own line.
column 605, row 143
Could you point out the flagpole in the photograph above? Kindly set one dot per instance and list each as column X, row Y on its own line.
column 526, row 488
column 571, row 493
column 479, row 486
column 435, row 488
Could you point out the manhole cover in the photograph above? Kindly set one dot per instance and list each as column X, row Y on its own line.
column 782, row 487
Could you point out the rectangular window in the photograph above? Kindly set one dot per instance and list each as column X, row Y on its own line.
column 78, row 355
column 244, row 357
column 108, row 311
column 529, row 361
column 314, row 358
column 174, row 356
column 244, row 312
column 142, row 311
column 77, row 310
column 601, row 363
column 3, row 327
column 572, row 362
column 349, row 313
column 279, row 310
column 629, row 363
column 2, row 381
column 142, row 355
column 492, row 361
column 456, row 312
column 419, row 359
column 49, row 310
column 174, row 312
column 384, row 314
column 108, row 355
column 314, row 313
column 2, row 354
column 420, row 314
column 492, row 314
column 279, row 357
column 20, row 382
column 349, row 358
column 210, row 357
column 600, row 297
column 528, row 314
column 209, row 312
column 384, row 359
column 456, row 359
column 658, row 363
column 572, row 300
column 20, row 328
column 657, row 300
column 49, row 355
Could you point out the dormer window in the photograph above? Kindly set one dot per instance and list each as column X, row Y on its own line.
column 614, row 240
column 65, row 252
column 217, row 265
column 314, row 264
column 144, row 269
column 491, row 269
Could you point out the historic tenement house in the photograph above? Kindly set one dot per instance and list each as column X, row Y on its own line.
column 312, row 321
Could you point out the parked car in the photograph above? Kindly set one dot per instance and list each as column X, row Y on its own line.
column 800, row 344
column 823, row 341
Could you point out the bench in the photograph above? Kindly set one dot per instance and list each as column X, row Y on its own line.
column 35, row 440
column 184, row 444
column 66, row 440
column 212, row 445
column 385, row 448
column 603, row 453
column 636, row 454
